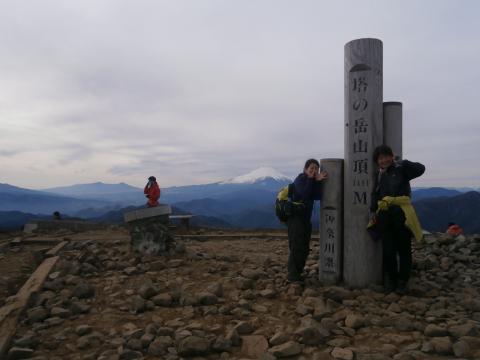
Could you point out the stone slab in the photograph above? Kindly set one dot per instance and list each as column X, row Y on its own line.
column 181, row 216
column 72, row 225
column 16, row 241
column 30, row 228
column 35, row 241
column 147, row 213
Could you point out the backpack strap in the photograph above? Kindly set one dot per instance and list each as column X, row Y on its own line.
column 291, row 190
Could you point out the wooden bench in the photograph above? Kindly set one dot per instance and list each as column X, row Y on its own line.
column 184, row 220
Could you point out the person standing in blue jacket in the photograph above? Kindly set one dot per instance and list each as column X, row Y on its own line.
column 307, row 189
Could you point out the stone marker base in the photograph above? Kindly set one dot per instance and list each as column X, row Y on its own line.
column 149, row 233
column 52, row 225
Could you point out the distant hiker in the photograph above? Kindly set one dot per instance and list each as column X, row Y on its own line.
column 394, row 215
column 152, row 192
column 307, row 189
column 57, row 216
column 454, row 229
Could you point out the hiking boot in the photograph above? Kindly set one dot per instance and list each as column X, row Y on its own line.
column 297, row 281
column 401, row 287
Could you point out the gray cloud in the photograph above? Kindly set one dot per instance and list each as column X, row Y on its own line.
column 201, row 91
column 9, row 152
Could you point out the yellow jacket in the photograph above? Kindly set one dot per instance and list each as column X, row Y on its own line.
column 411, row 219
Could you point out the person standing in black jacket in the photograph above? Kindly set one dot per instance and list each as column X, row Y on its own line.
column 307, row 189
column 393, row 179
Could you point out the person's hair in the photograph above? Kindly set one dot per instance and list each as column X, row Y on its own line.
column 152, row 178
column 451, row 224
column 310, row 162
column 381, row 150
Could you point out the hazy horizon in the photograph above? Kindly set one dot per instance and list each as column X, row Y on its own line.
column 140, row 186
column 198, row 92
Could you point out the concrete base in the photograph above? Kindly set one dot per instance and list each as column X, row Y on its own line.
column 149, row 233
column 147, row 213
column 49, row 225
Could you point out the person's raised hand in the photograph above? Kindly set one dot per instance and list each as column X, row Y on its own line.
column 321, row 175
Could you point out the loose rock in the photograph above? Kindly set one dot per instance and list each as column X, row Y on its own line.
column 290, row 348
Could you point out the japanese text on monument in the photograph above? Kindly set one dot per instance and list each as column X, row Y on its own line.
column 329, row 251
column 360, row 132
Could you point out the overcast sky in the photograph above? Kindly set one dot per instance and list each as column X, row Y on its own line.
column 199, row 91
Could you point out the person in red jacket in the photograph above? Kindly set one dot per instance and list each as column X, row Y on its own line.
column 454, row 229
column 152, row 192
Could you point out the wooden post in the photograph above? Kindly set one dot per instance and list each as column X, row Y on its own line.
column 392, row 127
column 363, row 132
column 331, row 222
column 11, row 312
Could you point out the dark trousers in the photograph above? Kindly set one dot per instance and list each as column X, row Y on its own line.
column 299, row 232
column 396, row 239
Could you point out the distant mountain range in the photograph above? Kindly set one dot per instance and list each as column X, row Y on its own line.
column 33, row 201
column 93, row 190
column 245, row 201
column 426, row 193
column 106, row 202
column 463, row 209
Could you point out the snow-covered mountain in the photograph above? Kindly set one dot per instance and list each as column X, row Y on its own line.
column 257, row 175
column 264, row 179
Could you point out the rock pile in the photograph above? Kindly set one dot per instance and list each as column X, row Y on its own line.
column 220, row 300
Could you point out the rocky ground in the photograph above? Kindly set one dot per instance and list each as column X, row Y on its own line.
column 228, row 299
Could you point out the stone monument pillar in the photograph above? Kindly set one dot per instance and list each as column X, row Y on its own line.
column 363, row 132
column 392, row 127
column 149, row 233
column 331, row 222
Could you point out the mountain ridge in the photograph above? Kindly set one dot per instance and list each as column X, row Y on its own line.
column 463, row 209
column 96, row 188
column 242, row 201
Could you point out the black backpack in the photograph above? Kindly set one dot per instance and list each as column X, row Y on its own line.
column 284, row 206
